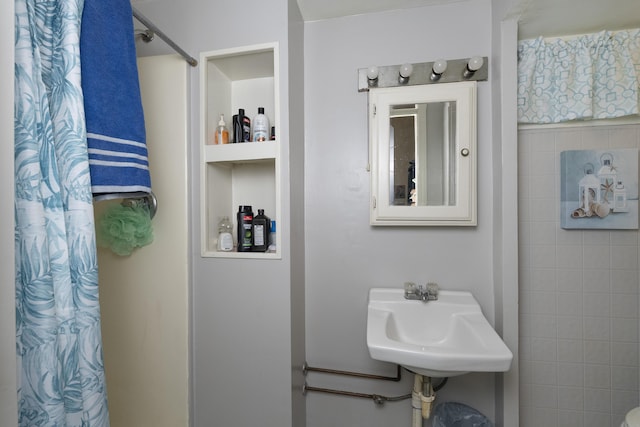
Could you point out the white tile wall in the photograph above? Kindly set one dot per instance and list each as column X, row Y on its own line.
column 579, row 294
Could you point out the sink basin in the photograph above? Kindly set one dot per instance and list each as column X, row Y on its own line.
column 446, row 337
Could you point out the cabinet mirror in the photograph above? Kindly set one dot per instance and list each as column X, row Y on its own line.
column 423, row 154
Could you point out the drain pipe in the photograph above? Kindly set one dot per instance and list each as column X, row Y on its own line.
column 427, row 397
column 421, row 399
column 416, row 404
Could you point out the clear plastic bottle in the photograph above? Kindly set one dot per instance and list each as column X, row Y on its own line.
column 222, row 133
column 225, row 235
column 260, row 126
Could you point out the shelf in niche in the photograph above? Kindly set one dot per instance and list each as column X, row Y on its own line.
column 240, row 65
column 241, row 152
column 242, row 255
column 245, row 173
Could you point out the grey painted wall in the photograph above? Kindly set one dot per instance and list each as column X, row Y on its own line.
column 297, row 211
column 245, row 335
column 505, row 218
column 345, row 256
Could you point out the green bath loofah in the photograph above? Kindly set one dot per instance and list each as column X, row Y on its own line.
column 124, row 228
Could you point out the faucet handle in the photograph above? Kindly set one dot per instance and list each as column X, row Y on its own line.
column 409, row 288
column 433, row 289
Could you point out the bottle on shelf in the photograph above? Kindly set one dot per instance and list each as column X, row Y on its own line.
column 222, row 133
column 260, row 126
column 246, row 128
column 238, row 132
column 272, row 237
column 225, row 236
column 261, row 230
column 245, row 228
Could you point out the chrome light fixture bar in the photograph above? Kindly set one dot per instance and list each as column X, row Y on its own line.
column 435, row 72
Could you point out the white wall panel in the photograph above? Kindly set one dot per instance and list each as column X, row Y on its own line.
column 144, row 296
column 579, row 314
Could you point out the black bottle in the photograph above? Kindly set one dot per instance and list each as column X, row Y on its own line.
column 246, row 128
column 261, row 231
column 245, row 228
column 238, row 126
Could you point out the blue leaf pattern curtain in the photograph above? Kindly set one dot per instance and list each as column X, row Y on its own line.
column 594, row 76
column 60, row 367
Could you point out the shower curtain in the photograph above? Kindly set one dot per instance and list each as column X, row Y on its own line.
column 59, row 351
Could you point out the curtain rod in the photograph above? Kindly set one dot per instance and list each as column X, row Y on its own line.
column 144, row 21
column 569, row 37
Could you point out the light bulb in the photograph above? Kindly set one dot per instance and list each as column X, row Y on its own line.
column 372, row 72
column 439, row 66
column 406, row 70
column 475, row 63
column 437, row 69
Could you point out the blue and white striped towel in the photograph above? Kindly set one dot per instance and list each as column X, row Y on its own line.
column 113, row 107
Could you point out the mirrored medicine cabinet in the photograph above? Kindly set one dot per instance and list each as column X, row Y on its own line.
column 423, row 155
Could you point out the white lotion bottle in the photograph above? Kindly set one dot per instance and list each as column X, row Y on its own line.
column 260, row 126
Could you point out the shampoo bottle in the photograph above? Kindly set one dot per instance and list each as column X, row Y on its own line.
column 261, row 230
column 245, row 229
column 222, row 133
column 260, row 126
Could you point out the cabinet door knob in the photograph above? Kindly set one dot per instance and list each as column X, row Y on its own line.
column 464, row 152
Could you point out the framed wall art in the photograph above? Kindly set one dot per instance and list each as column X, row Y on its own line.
column 599, row 189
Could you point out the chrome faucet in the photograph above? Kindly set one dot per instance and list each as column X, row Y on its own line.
column 429, row 292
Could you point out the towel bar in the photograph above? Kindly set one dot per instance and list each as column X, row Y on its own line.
column 150, row 25
column 133, row 199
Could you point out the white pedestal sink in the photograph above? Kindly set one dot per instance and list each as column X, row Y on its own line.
column 446, row 337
